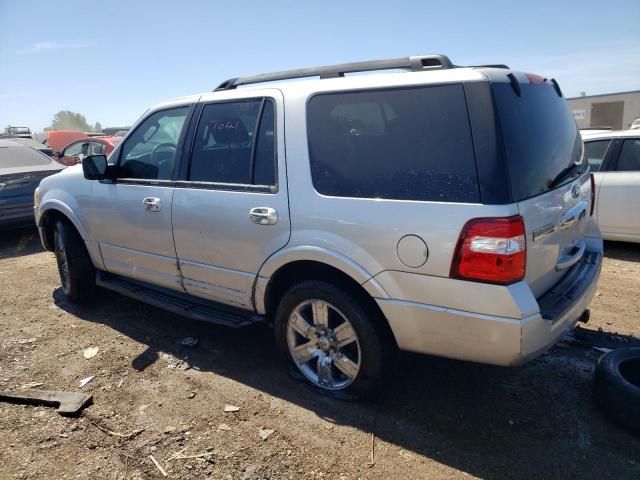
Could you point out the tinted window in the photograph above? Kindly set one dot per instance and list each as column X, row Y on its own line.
column 231, row 146
column 629, row 160
column 150, row 151
column 406, row 144
column 595, row 152
column 540, row 136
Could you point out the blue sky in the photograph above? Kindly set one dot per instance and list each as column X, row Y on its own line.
column 111, row 60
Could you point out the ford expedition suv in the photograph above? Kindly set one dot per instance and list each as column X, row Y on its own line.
column 437, row 209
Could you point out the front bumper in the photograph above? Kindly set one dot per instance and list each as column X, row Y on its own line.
column 498, row 340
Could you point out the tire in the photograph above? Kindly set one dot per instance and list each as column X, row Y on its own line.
column 617, row 386
column 77, row 273
column 331, row 349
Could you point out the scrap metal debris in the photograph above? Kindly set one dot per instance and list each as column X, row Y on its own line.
column 231, row 408
column 68, row 403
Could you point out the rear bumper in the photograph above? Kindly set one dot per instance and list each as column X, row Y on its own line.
column 498, row 340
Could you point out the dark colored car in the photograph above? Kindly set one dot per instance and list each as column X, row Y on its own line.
column 21, row 169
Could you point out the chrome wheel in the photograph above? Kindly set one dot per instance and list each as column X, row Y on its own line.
column 63, row 263
column 323, row 344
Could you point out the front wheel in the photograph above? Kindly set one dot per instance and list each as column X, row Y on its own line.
column 77, row 274
column 333, row 339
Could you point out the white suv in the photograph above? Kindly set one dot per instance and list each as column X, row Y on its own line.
column 442, row 210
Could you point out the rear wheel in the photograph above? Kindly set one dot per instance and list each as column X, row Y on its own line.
column 332, row 339
column 77, row 273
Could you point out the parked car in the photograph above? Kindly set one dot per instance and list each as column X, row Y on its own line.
column 21, row 169
column 615, row 159
column 635, row 125
column 442, row 210
column 58, row 140
column 30, row 142
column 78, row 149
column 17, row 131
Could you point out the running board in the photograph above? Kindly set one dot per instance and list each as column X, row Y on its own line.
column 177, row 302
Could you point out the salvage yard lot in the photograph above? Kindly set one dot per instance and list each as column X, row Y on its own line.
column 155, row 396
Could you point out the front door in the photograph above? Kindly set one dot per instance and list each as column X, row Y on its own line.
column 230, row 212
column 131, row 217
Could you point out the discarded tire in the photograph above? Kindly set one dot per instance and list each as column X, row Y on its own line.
column 617, row 386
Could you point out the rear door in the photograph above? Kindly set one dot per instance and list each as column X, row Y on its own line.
column 549, row 177
column 619, row 193
column 231, row 211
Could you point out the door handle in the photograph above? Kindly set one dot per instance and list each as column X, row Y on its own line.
column 152, row 204
column 263, row 215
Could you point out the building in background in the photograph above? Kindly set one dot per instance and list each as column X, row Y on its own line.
column 615, row 110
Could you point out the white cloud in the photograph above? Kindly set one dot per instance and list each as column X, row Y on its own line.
column 48, row 46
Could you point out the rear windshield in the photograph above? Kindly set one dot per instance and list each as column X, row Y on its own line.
column 12, row 157
column 401, row 143
column 542, row 141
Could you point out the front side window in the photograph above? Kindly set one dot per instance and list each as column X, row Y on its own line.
column 235, row 143
column 97, row 148
column 405, row 144
column 595, row 152
column 76, row 149
column 629, row 160
column 150, row 151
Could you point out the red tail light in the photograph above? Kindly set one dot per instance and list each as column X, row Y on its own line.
column 593, row 194
column 491, row 250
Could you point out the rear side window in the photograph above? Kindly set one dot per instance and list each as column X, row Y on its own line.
column 235, row 143
column 13, row 157
column 595, row 152
column 404, row 144
column 629, row 160
column 541, row 139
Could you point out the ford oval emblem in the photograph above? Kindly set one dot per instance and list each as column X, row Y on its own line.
column 575, row 190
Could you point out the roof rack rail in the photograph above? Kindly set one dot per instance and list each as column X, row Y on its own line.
column 414, row 63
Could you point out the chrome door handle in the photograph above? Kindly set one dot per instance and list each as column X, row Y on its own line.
column 152, row 204
column 263, row 215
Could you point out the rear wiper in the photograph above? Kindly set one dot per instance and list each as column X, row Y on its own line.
column 572, row 171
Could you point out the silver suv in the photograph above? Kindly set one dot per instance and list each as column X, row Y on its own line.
column 440, row 209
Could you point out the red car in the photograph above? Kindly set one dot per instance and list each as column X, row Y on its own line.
column 70, row 146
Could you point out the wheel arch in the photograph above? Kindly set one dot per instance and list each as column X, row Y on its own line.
column 56, row 210
column 269, row 290
column 51, row 214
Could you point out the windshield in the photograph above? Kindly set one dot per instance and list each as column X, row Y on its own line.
column 542, row 143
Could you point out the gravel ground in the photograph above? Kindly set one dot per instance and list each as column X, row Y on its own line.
column 153, row 396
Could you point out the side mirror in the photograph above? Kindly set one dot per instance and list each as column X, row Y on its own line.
column 94, row 167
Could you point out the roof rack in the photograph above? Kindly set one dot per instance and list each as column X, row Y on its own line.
column 414, row 63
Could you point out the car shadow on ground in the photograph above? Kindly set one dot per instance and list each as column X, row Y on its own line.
column 19, row 242
column 629, row 252
column 491, row 422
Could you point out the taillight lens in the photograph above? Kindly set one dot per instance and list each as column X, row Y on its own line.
column 491, row 250
column 593, row 193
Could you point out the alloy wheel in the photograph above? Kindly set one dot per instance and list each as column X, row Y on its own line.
column 323, row 344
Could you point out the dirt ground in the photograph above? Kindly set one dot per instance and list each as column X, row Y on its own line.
column 153, row 396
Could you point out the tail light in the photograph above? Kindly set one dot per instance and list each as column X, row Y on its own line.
column 593, row 194
column 491, row 250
